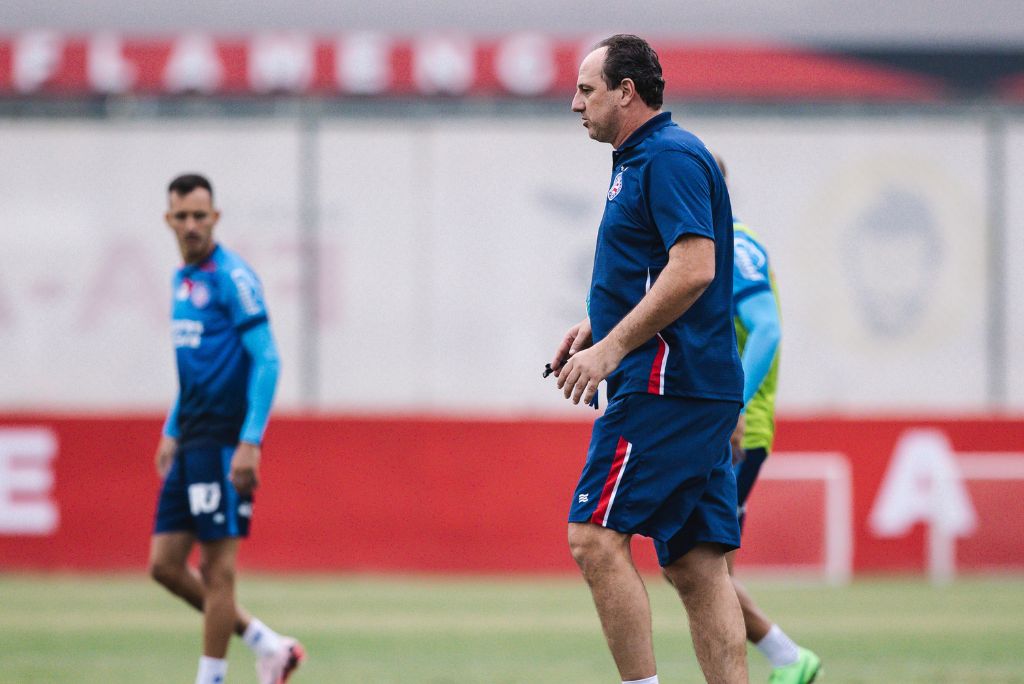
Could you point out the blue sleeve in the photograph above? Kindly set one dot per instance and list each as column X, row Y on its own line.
column 679, row 196
column 171, row 424
column 243, row 296
column 259, row 344
column 749, row 267
column 760, row 316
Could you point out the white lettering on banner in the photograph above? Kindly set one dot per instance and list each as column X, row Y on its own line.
column 525, row 64
column 444, row 65
column 281, row 62
column 106, row 66
column 203, row 497
column 923, row 485
column 26, row 481
column 194, row 65
column 363, row 63
column 37, row 56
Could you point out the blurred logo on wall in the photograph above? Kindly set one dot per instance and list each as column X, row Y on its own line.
column 895, row 253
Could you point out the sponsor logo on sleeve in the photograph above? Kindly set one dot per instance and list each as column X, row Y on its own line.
column 749, row 259
column 250, row 295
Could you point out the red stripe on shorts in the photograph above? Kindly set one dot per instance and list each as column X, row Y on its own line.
column 612, row 483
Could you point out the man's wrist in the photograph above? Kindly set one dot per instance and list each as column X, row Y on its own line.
column 615, row 346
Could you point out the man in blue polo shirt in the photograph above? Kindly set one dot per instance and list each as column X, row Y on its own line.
column 660, row 331
column 209, row 452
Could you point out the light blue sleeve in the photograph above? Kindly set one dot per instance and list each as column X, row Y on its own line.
column 171, row 424
column 259, row 344
column 760, row 316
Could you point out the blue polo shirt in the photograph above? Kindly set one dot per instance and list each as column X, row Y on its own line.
column 665, row 184
column 214, row 303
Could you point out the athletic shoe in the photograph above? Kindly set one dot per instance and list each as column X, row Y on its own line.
column 277, row 668
column 804, row 671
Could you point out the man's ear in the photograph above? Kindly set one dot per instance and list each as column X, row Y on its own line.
column 628, row 89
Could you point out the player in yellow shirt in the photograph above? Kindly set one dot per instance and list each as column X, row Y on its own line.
column 758, row 333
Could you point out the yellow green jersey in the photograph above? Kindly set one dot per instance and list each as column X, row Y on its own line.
column 756, row 305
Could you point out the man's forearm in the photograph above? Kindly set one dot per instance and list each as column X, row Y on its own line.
column 672, row 294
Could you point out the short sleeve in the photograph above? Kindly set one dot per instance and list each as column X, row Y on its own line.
column 679, row 196
column 750, row 268
column 243, row 296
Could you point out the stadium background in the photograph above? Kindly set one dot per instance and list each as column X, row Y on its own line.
column 420, row 203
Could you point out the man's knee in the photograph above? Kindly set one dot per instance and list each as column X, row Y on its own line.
column 692, row 572
column 167, row 573
column 216, row 573
column 593, row 546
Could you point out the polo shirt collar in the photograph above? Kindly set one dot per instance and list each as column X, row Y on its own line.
column 649, row 126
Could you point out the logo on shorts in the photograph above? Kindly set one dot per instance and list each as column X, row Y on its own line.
column 203, row 497
column 584, row 498
column 616, row 185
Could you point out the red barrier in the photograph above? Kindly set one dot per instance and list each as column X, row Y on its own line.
column 516, row 65
column 448, row 495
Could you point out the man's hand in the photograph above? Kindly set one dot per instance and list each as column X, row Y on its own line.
column 737, row 440
column 579, row 337
column 165, row 455
column 245, row 466
column 585, row 370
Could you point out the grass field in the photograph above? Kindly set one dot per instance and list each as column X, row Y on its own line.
column 89, row 629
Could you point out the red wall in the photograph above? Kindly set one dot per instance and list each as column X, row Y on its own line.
column 440, row 495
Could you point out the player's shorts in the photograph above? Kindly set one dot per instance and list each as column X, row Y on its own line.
column 198, row 497
column 746, row 475
column 661, row 467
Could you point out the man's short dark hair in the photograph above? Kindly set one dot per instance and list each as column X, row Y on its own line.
column 632, row 57
column 187, row 182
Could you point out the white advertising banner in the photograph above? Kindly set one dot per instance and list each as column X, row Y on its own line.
column 454, row 253
column 1013, row 265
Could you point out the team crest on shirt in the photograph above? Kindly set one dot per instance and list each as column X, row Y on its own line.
column 200, row 295
column 616, row 185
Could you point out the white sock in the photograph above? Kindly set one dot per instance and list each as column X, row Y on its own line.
column 261, row 639
column 212, row 670
column 778, row 648
column 649, row 680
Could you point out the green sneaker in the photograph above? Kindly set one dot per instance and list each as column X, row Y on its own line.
column 804, row 671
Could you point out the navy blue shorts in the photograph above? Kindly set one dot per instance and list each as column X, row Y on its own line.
column 197, row 496
column 746, row 475
column 661, row 467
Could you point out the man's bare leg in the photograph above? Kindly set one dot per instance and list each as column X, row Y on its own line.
column 756, row 623
column 220, row 615
column 619, row 594
column 716, row 622
column 168, row 565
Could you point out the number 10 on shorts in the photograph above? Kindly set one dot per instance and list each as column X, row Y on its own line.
column 204, row 497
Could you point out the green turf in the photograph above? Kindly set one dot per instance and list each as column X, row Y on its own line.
column 109, row 629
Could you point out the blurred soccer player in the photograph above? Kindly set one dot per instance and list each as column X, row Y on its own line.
column 209, row 452
column 759, row 331
column 659, row 329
